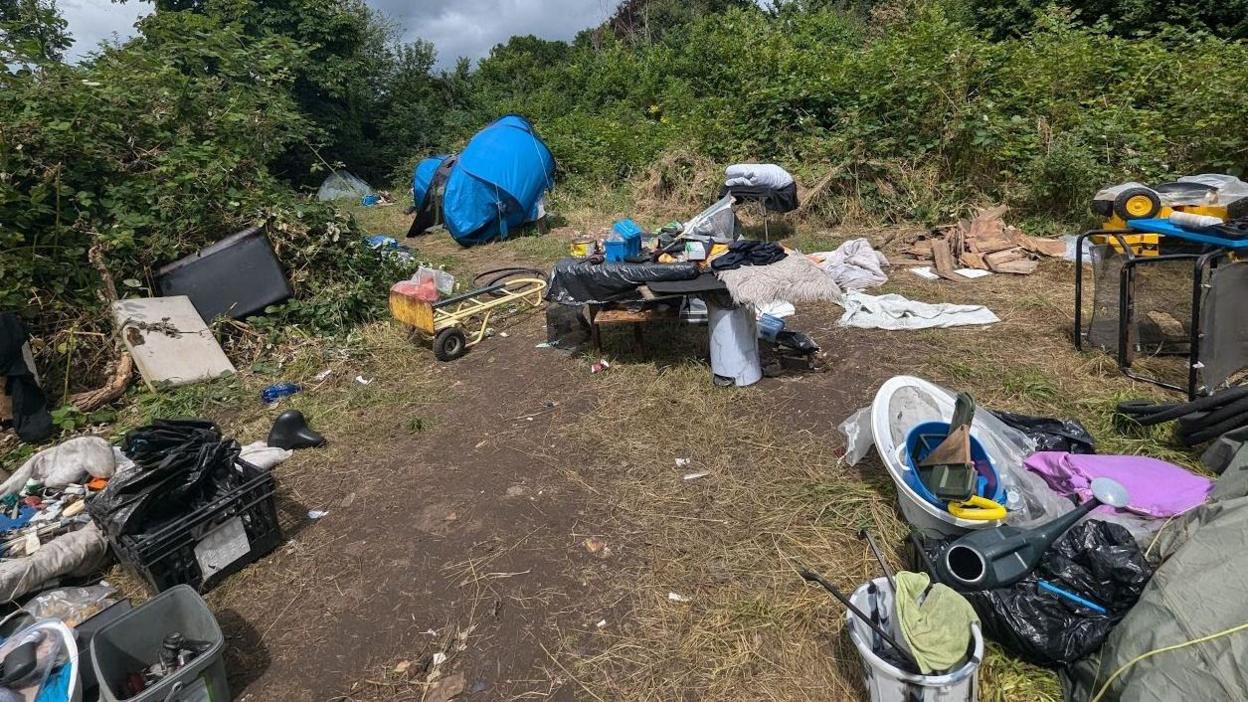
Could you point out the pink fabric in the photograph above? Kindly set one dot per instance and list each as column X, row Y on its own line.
column 1157, row 488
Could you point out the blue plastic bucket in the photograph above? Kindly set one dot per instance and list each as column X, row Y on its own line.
column 925, row 437
column 769, row 327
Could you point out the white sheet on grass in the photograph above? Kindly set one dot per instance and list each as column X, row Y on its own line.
column 896, row 312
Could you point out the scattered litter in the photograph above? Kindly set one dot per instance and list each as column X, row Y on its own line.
column 317, row 514
column 926, row 273
column 544, row 345
column 599, row 367
column 439, row 658
column 362, row 380
column 973, row 273
column 290, row 432
column 682, row 462
column 401, row 667
column 695, row 476
column 601, row 623
column 503, row 335
column 278, row 391
column 597, row 547
column 677, row 597
column 778, row 309
column 447, row 689
column 323, row 374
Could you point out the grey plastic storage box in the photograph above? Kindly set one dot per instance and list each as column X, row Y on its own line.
column 132, row 642
column 236, row 277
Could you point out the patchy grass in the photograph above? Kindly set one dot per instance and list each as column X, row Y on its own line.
column 775, row 496
column 732, row 542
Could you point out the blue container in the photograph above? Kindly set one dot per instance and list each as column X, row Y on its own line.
column 616, row 250
column 631, row 233
column 769, row 327
column 370, row 200
column 926, row 437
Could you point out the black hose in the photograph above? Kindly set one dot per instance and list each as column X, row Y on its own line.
column 1198, row 421
column 489, row 278
column 1148, row 414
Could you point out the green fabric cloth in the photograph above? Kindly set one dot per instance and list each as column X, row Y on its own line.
column 936, row 628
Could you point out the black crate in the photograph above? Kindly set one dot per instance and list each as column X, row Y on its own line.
column 167, row 556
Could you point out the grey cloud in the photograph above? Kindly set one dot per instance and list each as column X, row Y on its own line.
column 456, row 27
column 472, row 27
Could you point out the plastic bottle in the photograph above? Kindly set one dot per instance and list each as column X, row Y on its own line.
column 1187, row 220
column 275, row 392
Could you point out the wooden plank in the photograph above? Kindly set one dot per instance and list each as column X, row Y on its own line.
column 971, row 259
column 633, row 316
column 943, row 261
column 1011, row 261
column 986, row 233
column 1053, row 248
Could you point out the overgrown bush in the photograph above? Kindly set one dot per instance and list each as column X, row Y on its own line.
column 912, row 119
column 152, row 151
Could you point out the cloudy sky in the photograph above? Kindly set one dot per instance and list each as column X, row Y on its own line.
column 456, row 27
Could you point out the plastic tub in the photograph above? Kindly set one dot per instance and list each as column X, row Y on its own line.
column 886, row 682
column 132, row 642
column 924, row 438
column 921, row 514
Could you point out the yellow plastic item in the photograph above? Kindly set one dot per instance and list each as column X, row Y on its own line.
column 469, row 313
column 1139, row 206
column 979, row 509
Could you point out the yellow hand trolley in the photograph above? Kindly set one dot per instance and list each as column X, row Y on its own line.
column 444, row 322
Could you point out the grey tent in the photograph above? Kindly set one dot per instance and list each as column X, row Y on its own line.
column 1194, row 607
column 341, row 185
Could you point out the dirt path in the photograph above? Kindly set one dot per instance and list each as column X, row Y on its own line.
column 465, row 535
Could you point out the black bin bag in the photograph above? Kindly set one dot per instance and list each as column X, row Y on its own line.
column 180, row 465
column 1096, row 560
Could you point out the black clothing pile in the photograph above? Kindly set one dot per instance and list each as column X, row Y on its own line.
column 31, row 418
column 744, row 252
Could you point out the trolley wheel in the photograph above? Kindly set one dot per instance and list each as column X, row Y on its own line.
column 449, row 344
column 1137, row 203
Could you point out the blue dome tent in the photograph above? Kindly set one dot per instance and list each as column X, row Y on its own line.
column 495, row 184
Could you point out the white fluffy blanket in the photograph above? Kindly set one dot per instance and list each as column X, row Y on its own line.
column 794, row 278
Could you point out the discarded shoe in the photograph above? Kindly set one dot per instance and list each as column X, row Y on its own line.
column 291, row 431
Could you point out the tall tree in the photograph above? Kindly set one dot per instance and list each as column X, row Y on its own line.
column 32, row 32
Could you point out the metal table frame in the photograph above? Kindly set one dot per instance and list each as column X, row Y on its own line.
column 1216, row 250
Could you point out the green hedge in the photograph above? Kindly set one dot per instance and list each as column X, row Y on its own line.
column 915, row 118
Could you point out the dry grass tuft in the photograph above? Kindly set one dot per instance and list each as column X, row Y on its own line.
column 678, row 184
